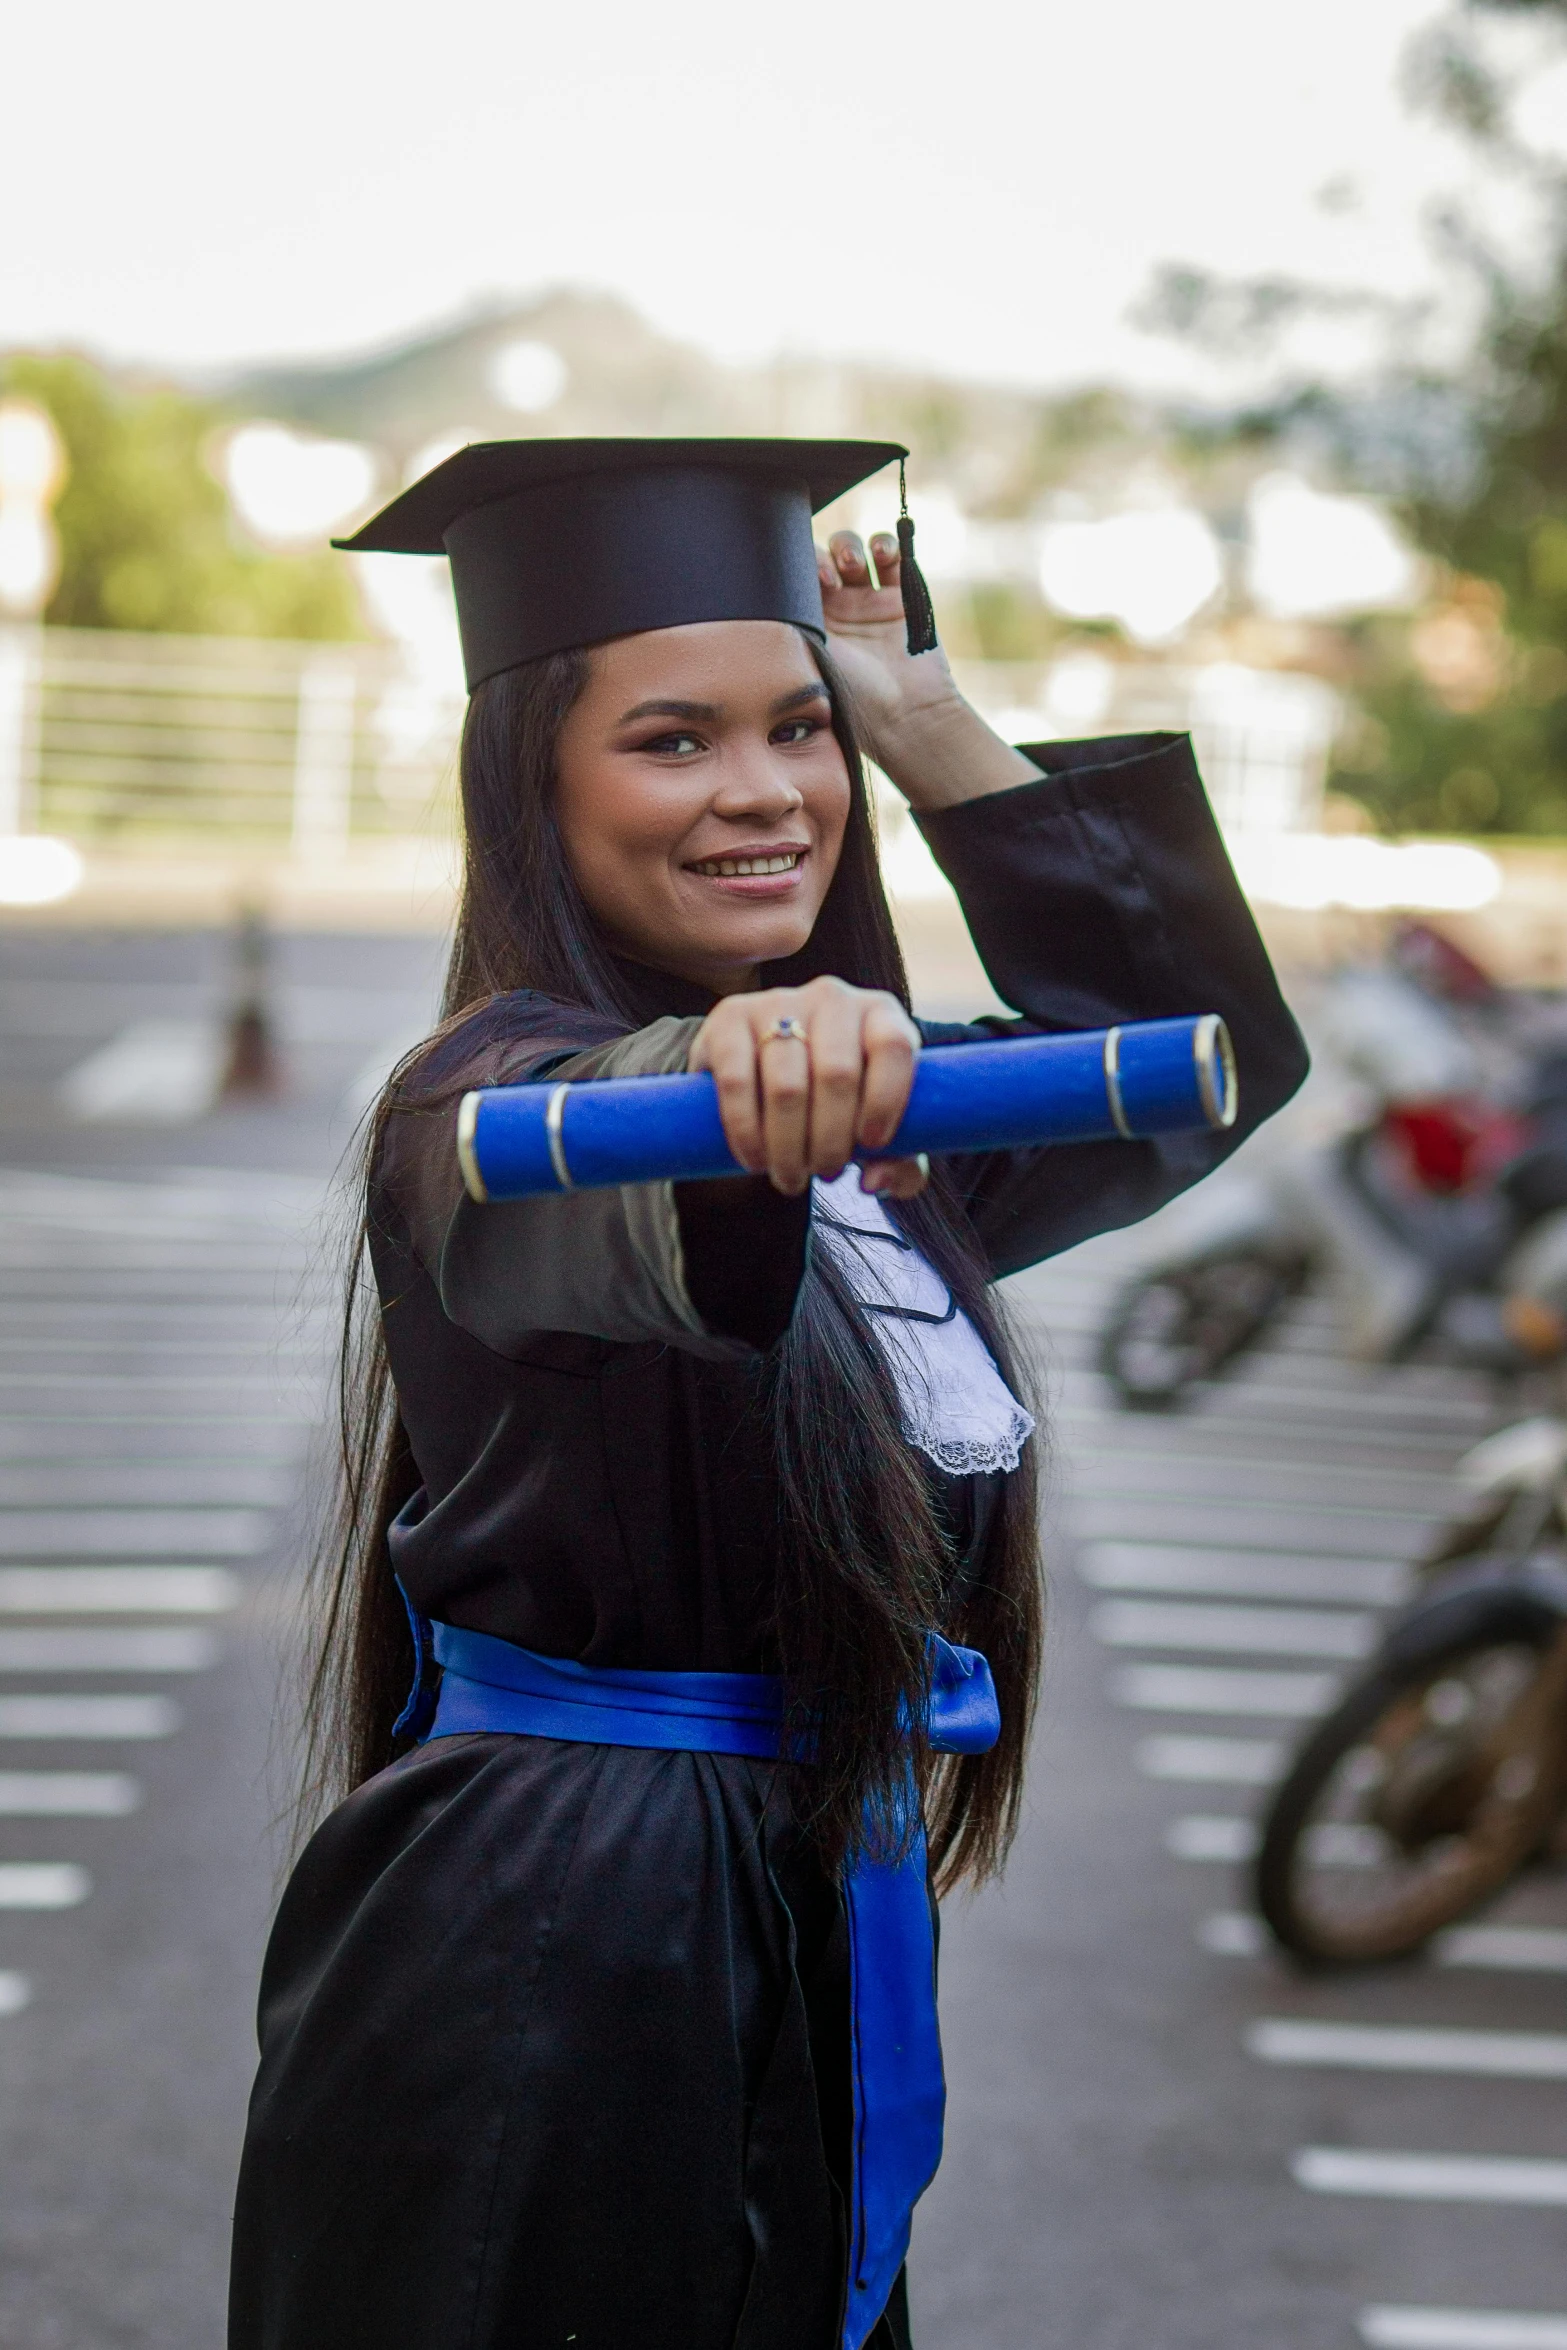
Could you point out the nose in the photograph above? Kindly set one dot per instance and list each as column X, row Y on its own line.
column 755, row 785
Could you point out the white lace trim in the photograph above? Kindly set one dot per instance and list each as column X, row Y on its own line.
column 953, row 1402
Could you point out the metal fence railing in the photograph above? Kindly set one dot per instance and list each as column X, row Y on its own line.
column 130, row 741
column 118, row 741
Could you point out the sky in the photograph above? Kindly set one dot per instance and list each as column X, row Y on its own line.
column 982, row 189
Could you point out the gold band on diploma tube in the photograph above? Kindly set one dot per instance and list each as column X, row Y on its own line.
column 1217, row 1083
column 554, row 1112
column 467, row 1117
column 1113, row 1083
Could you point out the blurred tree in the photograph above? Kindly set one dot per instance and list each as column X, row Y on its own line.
column 145, row 533
column 1469, row 700
column 1462, row 706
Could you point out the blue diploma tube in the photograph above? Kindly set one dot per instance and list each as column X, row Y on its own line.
column 1148, row 1077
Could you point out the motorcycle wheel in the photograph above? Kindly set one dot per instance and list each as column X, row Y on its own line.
column 1169, row 1329
column 1432, row 1784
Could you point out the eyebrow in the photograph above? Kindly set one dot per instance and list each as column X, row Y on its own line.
column 814, row 692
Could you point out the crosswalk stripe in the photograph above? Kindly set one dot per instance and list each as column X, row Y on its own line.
column 1108, row 1477
column 183, row 1399
column 54, row 1435
column 1387, row 2327
column 88, row 1717
column 1269, row 1396
column 1239, row 1574
column 1251, row 1526
column 1223, row 1837
column 133, row 1533
column 1250, row 1631
column 145, row 1484
column 1514, row 1949
column 1438, row 2178
column 117, row 1591
column 44, row 1649
column 1216, row 1426
column 1507, row 1949
column 1223, row 1689
column 1513, row 2056
column 1203, row 1836
column 45, row 1884
column 1142, row 1467
column 266, row 1350
column 1233, row 1933
column 1236, row 1762
column 94, row 1795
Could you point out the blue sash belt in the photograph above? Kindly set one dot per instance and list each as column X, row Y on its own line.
column 899, row 2089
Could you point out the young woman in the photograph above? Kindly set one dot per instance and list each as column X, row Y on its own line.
column 572, row 2037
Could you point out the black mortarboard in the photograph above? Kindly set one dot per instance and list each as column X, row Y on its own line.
column 560, row 543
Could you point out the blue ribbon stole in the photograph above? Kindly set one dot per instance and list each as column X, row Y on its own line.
column 900, row 2092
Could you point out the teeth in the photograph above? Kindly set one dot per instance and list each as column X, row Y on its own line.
column 726, row 867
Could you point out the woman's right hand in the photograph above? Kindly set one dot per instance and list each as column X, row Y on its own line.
column 835, row 1081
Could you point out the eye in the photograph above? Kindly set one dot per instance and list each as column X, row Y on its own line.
column 673, row 746
column 797, row 730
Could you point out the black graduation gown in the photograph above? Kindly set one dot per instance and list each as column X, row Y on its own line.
column 553, row 2037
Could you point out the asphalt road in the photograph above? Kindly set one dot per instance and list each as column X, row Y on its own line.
column 1132, row 2163
column 1122, row 2168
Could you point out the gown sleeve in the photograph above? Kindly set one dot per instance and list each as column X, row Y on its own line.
column 1102, row 893
column 712, row 1268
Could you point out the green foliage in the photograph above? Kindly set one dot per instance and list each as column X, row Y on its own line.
column 1473, row 736
column 1420, row 765
column 145, row 534
column 1479, row 744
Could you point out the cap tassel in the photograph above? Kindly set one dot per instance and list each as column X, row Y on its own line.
column 919, row 614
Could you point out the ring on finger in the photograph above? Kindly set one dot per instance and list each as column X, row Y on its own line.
column 784, row 1030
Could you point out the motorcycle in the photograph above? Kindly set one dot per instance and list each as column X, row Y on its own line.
column 1410, row 1215
column 1442, row 1772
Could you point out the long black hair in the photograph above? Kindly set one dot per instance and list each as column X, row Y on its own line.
column 868, row 1565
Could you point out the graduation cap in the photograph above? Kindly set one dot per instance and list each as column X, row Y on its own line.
column 560, row 543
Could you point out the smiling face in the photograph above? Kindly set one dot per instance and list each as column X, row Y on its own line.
column 702, row 797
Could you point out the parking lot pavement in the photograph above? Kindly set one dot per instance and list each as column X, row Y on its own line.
column 161, row 1359
column 1160, row 2138
column 113, row 1045
column 1160, row 2135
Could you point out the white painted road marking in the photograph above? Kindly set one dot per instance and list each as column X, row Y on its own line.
column 46, row 1650
column 1514, row 2056
column 42, row 1884
column 1236, row 1762
column 1520, row 1949
column 1247, row 1631
column 1204, row 1837
column 1389, row 2328
column 1223, row 1689
column 1436, row 2178
column 83, row 1795
column 1249, row 1525
column 15, row 1992
column 157, row 1072
column 88, row 1717
column 133, row 1533
column 1241, row 1574
column 170, row 1483
column 1510, row 1949
column 117, row 1591
column 1233, row 1933
column 1210, row 1836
